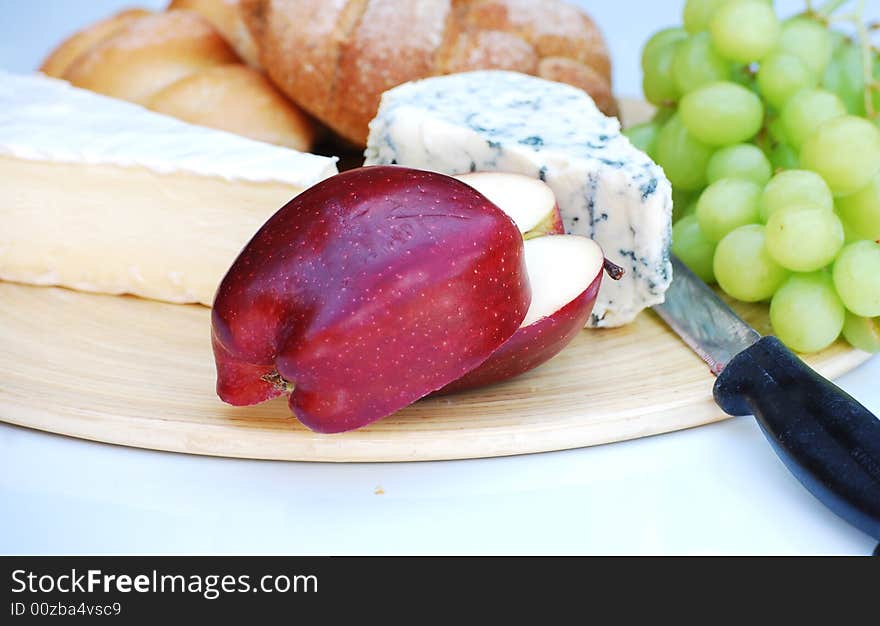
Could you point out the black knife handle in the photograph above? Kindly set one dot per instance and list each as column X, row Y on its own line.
column 830, row 442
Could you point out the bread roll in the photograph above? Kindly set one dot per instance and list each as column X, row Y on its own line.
column 178, row 64
column 225, row 16
column 336, row 57
column 239, row 99
column 60, row 59
column 148, row 55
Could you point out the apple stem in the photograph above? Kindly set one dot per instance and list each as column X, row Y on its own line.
column 613, row 270
column 276, row 380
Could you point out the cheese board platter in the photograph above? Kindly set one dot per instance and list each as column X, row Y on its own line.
column 139, row 373
column 136, row 372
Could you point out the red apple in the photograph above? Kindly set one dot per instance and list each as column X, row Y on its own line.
column 367, row 292
column 565, row 272
column 529, row 202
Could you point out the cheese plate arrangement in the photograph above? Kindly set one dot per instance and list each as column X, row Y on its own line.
column 154, row 360
column 183, row 280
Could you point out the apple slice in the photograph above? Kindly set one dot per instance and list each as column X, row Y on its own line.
column 366, row 292
column 565, row 272
column 529, row 202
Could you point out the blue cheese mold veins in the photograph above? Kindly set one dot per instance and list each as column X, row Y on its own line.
column 505, row 121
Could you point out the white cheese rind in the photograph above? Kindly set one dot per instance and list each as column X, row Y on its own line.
column 506, row 121
column 45, row 119
column 101, row 195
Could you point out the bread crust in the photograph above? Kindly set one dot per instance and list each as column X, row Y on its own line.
column 371, row 60
column 225, row 16
column 60, row 59
column 238, row 99
column 305, row 60
column 177, row 63
column 149, row 54
column 336, row 57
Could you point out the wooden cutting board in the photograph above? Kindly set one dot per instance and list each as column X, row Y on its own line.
column 141, row 373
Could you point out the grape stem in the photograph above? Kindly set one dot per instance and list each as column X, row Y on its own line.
column 827, row 8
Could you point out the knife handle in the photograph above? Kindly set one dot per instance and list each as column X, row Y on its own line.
column 830, row 442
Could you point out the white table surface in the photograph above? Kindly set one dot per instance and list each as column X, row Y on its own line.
column 709, row 490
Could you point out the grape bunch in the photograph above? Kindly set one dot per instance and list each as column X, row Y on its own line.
column 769, row 131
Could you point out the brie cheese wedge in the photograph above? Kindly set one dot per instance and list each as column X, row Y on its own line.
column 105, row 196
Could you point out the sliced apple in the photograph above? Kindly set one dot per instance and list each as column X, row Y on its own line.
column 355, row 301
column 529, row 202
column 565, row 272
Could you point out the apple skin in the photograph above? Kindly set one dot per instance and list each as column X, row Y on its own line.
column 532, row 345
column 551, row 226
column 367, row 292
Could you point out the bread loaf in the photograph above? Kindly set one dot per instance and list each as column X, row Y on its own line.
column 64, row 55
column 226, row 17
column 177, row 63
column 336, row 57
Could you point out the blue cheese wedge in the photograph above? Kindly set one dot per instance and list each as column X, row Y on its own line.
column 506, row 121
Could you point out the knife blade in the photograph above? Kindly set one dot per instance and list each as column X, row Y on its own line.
column 703, row 320
column 829, row 441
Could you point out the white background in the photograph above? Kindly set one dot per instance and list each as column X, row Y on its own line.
column 714, row 489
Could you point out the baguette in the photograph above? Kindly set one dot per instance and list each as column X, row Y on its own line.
column 178, row 64
column 335, row 58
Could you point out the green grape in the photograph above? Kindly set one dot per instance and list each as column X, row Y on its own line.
column 721, row 114
column 857, row 277
column 795, row 188
column 742, row 75
column 681, row 197
column 776, row 129
column 744, row 30
column 784, row 157
column 783, row 75
column 860, row 211
column 689, row 209
column 845, row 152
column 693, row 248
column 844, row 77
column 698, row 14
column 743, row 268
column 833, row 81
column 727, row 204
column 862, row 332
column 742, row 160
column 876, row 91
column 696, row 63
column 683, row 203
column 660, row 40
column 808, row 40
column 806, row 111
column 804, row 238
column 644, row 136
column 657, row 80
column 838, row 41
column 682, row 157
column 662, row 114
column 806, row 313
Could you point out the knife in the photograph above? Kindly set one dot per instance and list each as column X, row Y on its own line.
column 829, row 441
